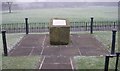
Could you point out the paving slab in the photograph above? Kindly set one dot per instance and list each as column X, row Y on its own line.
column 51, row 51
column 32, row 40
column 69, row 51
column 20, row 52
column 56, row 66
column 37, row 51
column 57, row 60
column 88, row 51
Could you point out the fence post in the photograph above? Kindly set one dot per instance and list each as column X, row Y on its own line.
column 4, row 43
column 91, row 26
column 86, row 26
column 116, row 65
column 114, row 24
column 106, row 63
column 113, row 41
column 27, row 26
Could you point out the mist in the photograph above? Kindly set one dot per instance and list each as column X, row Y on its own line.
column 61, row 0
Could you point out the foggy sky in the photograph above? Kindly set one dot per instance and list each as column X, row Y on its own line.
column 62, row 0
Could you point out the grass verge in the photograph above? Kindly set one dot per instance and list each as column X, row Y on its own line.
column 92, row 62
column 12, row 40
column 106, row 38
column 21, row 62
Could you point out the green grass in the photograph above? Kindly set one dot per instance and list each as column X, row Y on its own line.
column 22, row 62
column 106, row 38
column 13, row 39
column 72, row 14
column 92, row 62
column 78, row 16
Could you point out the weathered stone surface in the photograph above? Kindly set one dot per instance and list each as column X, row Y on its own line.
column 59, row 34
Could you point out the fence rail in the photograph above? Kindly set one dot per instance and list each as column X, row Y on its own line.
column 74, row 26
column 107, row 60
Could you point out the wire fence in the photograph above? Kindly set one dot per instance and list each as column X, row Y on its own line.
column 74, row 26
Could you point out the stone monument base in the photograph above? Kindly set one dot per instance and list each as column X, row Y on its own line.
column 59, row 34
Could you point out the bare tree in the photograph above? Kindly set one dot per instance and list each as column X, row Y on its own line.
column 9, row 6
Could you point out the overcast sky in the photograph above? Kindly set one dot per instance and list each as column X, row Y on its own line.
column 63, row 0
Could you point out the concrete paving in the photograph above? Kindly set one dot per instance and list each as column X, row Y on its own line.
column 58, row 56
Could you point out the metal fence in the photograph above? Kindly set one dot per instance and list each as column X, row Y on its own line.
column 107, row 60
column 74, row 26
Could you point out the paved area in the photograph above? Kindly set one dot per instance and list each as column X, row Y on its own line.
column 58, row 56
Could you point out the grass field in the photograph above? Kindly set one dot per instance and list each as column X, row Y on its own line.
column 72, row 14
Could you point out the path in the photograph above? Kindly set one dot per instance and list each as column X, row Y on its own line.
column 58, row 57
